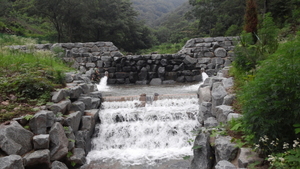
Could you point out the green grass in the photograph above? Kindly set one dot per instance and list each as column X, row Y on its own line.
column 27, row 78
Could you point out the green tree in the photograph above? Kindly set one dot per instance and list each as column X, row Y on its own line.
column 270, row 102
column 215, row 17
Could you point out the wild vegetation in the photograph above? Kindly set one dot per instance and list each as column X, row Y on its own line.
column 27, row 78
column 267, row 83
column 266, row 65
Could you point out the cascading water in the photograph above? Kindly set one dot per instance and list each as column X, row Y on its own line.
column 102, row 86
column 135, row 135
column 196, row 86
column 131, row 136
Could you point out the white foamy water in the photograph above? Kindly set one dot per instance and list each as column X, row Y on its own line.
column 102, row 86
column 196, row 86
column 141, row 135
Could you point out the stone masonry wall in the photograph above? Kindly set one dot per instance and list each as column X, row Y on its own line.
column 94, row 58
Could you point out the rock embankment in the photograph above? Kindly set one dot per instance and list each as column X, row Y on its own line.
column 60, row 132
column 217, row 150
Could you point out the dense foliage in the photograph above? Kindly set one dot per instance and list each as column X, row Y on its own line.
column 271, row 101
column 82, row 21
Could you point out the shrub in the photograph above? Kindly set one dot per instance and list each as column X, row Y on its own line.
column 248, row 55
column 270, row 102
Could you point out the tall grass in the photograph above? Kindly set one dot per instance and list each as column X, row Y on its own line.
column 14, row 61
column 7, row 40
column 29, row 77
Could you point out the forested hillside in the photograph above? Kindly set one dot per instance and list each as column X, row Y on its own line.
column 133, row 25
column 151, row 10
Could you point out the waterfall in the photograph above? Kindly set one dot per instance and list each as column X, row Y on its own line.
column 133, row 135
column 102, row 86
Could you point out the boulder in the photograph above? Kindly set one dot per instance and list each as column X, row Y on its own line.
column 78, row 106
column 75, row 92
column 248, row 156
column 78, row 156
column 225, row 149
column 14, row 139
column 228, row 100
column 85, row 88
column 222, row 113
column 58, row 142
column 11, row 162
column 189, row 60
column 228, row 82
column 211, row 122
column 156, row 81
column 58, row 165
column 59, row 96
column 87, row 102
column 73, row 120
column 218, row 94
column 143, row 75
column 203, row 156
column 220, row 52
column 38, row 124
column 82, row 139
column 205, row 111
column 95, row 103
column 224, row 165
column 41, row 141
column 63, row 107
column 37, row 159
column 204, row 94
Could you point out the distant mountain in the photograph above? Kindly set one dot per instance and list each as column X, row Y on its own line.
column 173, row 17
column 152, row 10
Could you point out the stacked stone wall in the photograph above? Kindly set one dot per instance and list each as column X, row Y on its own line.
column 95, row 58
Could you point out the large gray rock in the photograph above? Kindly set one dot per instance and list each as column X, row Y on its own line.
column 228, row 82
column 58, row 142
column 220, row 52
column 58, row 165
column 41, row 141
column 41, row 121
column 95, row 103
column 204, row 111
column 14, row 139
column 189, row 60
column 38, row 124
column 39, row 158
column 222, row 113
column 11, row 162
column 75, row 92
column 224, row 165
column 248, row 156
column 59, row 96
column 211, row 122
column 63, row 107
column 87, row 102
column 225, row 149
column 156, row 81
column 73, row 120
column 228, row 100
column 78, row 106
column 218, row 94
column 83, row 140
column 203, row 156
column 78, row 156
column 204, row 94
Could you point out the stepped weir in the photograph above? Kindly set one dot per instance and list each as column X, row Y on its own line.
column 150, row 130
